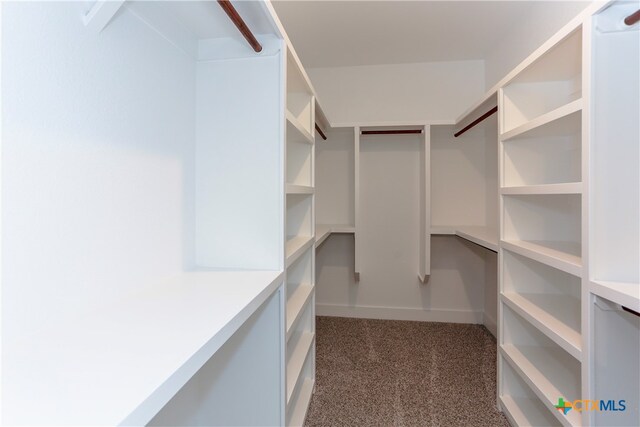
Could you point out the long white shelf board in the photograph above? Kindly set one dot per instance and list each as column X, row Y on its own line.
column 298, row 412
column 296, row 360
column 296, row 305
column 555, row 315
column 296, row 130
column 623, row 293
column 562, row 121
column 324, row 230
column 296, row 246
column 483, row 236
column 564, row 188
column 549, row 383
column 523, row 411
column 299, row 189
column 122, row 363
column 564, row 256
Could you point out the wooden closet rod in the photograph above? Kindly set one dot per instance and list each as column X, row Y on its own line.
column 390, row 132
column 237, row 20
column 628, row 310
column 476, row 121
column 633, row 18
column 324, row 137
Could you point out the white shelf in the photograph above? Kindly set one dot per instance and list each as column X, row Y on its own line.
column 523, row 411
column 557, row 382
column 564, row 256
column 299, row 189
column 295, row 306
column 443, row 230
column 295, row 129
column 296, row 246
column 122, row 363
column 296, row 360
column 324, row 230
column 564, row 188
column 555, row 315
column 299, row 411
column 626, row 294
column 549, row 124
column 483, row 236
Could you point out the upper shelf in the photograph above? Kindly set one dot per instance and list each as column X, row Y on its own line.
column 562, row 121
column 122, row 363
column 483, row 236
column 625, row 294
column 324, row 230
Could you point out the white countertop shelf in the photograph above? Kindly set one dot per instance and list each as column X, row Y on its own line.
column 296, row 130
column 564, row 188
column 555, row 315
column 120, row 364
column 295, row 306
column 296, row 246
column 562, row 121
column 299, row 189
column 483, row 236
column 324, row 230
column 296, row 361
column 564, row 256
column 623, row 293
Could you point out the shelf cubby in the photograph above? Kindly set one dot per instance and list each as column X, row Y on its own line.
column 300, row 102
column 299, row 289
column 547, row 224
column 550, row 155
column 299, row 347
column 521, row 405
column 552, row 81
column 299, row 215
column 549, row 370
column 299, row 159
column 546, row 297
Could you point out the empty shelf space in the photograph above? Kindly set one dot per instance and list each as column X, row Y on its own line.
column 563, row 188
column 623, row 293
column 561, row 121
column 483, row 236
column 297, row 246
column 324, row 230
column 564, row 256
column 299, row 189
column 295, row 361
column 527, row 411
column 296, row 304
column 298, row 411
column 548, row 379
column 296, row 131
column 555, row 315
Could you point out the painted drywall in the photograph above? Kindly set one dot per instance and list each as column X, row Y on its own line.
column 407, row 92
column 388, row 286
column 527, row 34
column 98, row 162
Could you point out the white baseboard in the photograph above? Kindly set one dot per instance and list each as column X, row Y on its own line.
column 391, row 313
column 491, row 324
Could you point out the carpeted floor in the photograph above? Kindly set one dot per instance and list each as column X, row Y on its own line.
column 393, row 373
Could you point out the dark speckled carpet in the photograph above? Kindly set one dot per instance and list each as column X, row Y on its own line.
column 393, row 373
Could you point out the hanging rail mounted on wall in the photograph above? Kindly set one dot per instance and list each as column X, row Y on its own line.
column 633, row 18
column 324, row 137
column 391, row 132
column 237, row 20
column 476, row 121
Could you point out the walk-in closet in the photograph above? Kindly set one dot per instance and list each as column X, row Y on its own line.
column 320, row 213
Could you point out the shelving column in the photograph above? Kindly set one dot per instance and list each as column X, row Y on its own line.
column 300, row 242
column 541, row 215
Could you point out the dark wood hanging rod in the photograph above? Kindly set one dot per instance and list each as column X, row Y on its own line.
column 628, row 310
column 324, row 137
column 633, row 18
column 237, row 20
column 476, row 121
column 391, row 132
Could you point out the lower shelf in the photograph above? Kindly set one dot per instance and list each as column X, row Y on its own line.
column 298, row 410
column 525, row 411
column 296, row 361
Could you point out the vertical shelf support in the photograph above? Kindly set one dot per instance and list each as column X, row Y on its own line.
column 357, row 234
column 424, row 268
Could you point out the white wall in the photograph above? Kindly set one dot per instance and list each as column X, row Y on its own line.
column 424, row 91
column 98, row 161
column 527, row 34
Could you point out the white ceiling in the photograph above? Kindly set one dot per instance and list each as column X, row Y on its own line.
column 347, row 33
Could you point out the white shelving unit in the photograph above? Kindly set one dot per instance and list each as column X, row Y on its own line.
column 612, row 281
column 301, row 241
column 540, row 314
